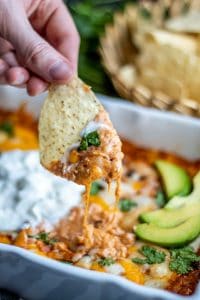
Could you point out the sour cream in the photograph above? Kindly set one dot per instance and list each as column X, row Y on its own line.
column 93, row 126
column 29, row 193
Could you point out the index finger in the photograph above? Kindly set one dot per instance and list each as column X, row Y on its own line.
column 61, row 32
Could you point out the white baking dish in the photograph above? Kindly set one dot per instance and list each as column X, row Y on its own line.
column 38, row 278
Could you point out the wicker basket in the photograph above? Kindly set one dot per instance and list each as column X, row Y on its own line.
column 117, row 51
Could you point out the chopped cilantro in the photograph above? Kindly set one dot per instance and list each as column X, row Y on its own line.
column 68, row 262
column 91, row 139
column 7, row 127
column 126, row 204
column 160, row 199
column 140, row 261
column 95, row 188
column 44, row 237
column 83, row 145
column 182, row 260
column 153, row 256
column 106, row 262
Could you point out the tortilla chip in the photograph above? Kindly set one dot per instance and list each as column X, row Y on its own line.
column 170, row 69
column 185, row 43
column 65, row 113
column 187, row 23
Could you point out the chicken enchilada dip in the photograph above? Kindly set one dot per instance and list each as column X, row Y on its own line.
column 77, row 138
column 77, row 141
column 150, row 237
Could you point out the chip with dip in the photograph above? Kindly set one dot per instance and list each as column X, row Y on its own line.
column 77, row 139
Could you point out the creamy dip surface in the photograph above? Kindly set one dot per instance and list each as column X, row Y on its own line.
column 29, row 193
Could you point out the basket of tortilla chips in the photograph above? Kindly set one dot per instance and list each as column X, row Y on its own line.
column 152, row 55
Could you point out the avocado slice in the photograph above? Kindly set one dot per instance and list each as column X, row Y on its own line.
column 170, row 237
column 171, row 218
column 194, row 197
column 176, row 181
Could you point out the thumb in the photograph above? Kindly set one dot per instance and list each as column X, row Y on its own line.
column 34, row 53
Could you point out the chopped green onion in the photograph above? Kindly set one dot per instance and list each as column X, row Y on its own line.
column 44, row 237
column 106, row 262
column 126, row 204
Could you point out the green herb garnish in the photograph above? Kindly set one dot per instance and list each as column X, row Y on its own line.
column 182, row 260
column 91, row 139
column 95, row 188
column 153, row 256
column 106, row 262
column 126, row 204
column 140, row 261
column 160, row 199
column 83, row 145
column 44, row 237
column 68, row 262
column 7, row 127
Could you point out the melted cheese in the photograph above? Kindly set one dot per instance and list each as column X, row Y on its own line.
column 132, row 271
column 24, row 139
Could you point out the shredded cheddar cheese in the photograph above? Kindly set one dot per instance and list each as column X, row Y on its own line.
column 21, row 240
column 73, row 157
column 24, row 129
column 5, row 239
column 96, row 267
column 132, row 271
column 137, row 186
column 24, row 139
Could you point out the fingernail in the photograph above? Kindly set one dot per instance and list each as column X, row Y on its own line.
column 39, row 90
column 3, row 67
column 19, row 80
column 59, row 71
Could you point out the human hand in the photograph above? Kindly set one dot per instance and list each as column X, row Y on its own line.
column 39, row 44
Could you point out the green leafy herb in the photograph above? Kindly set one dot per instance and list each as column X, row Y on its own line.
column 67, row 262
column 182, row 260
column 91, row 139
column 153, row 256
column 160, row 199
column 83, row 145
column 7, row 127
column 126, row 204
column 106, row 262
column 140, row 261
column 44, row 237
column 95, row 188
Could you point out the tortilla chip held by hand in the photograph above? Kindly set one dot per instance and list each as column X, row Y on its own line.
column 77, row 139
